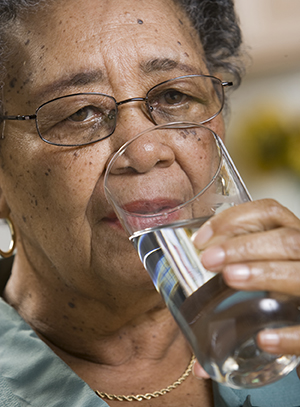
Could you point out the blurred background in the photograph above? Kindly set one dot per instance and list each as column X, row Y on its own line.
column 264, row 128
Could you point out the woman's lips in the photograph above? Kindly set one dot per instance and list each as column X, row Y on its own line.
column 150, row 207
column 140, row 215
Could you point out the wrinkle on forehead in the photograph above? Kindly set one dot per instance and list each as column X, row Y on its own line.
column 39, row 41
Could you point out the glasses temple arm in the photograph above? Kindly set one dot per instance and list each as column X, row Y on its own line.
column 19, row 117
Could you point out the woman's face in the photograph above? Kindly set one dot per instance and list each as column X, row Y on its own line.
column 55, row 194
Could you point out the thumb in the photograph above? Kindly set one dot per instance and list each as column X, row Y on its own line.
column 199, row 372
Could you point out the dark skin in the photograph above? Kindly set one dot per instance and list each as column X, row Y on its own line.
column 119, row 338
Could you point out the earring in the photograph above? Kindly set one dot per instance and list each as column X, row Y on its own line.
column 12, row 241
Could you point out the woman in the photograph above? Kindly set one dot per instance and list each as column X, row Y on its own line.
column 79, row 313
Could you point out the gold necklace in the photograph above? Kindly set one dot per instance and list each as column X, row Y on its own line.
column 148, row 396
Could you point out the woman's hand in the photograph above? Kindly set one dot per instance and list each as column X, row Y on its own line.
column 257, row 247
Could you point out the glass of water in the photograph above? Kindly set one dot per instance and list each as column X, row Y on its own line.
column 163, row 185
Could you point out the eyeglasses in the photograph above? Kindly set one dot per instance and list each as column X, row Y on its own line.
column 84, row 118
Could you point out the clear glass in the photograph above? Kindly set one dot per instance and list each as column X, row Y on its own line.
column 161, row 201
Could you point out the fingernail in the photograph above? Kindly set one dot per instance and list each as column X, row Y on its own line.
column 237, row 272
column 269, row 338
column 213, row 257
column 202, row 235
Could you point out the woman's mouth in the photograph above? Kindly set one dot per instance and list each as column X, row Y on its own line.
column 155, row 207
column 141, row 215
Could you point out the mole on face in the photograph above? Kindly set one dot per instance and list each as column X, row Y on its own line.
column 13, row 82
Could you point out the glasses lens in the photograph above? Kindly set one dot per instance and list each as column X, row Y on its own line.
column 77, row 119
column 190, row 98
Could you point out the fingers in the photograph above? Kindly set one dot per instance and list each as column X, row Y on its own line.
column 278, row 244
column 199, row 372
column 265, row 261
column 284, row 341
column 280, row 341
column 283, row 277
column 251, row 217
column 256, row 246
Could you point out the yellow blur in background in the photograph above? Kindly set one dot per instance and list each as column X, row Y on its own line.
column 263, row 136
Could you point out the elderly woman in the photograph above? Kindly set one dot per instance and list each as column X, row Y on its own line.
column 78, row 312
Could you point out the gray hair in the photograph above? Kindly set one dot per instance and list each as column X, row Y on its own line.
column 214, row 20
column 218, row 27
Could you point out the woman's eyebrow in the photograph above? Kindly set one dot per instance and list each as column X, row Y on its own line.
column 70, row 81
column 165, row 64
column 87, row 77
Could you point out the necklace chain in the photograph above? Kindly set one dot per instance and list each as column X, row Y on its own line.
column 148, row 396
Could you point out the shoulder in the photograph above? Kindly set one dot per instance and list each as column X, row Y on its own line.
column 30, row 372
column 7, row 398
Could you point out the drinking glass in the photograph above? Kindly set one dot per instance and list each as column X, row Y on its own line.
column 163, row 185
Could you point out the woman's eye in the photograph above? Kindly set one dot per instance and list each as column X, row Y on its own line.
column 82, row 114
column 173, row 97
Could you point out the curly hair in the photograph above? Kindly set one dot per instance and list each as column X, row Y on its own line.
column 214, row 20
column 218, row 27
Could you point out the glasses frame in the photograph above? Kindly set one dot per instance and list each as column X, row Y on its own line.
column 117, row 104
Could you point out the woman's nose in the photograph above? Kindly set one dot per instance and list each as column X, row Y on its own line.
column 142, row 152
column 146, row 145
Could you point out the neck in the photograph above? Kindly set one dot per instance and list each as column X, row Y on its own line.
column 76, row 326
column 127, row 347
